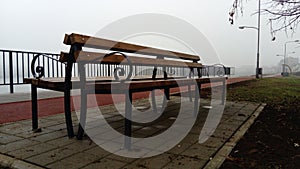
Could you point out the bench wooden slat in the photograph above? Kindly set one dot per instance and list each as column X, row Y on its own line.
column 105, row 83
column 116, row 59
column 99, row 43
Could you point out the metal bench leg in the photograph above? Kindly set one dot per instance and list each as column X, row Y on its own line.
column 34, row 107
column 167, row 93
column 68, row 115
column 83, row 111
column 128, row 112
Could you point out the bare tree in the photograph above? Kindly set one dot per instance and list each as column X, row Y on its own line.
column 283, row 14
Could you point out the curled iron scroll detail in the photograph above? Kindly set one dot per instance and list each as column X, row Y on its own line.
column 119, row 70
column 39, row 71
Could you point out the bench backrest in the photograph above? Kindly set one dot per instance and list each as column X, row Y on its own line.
column 115, row 52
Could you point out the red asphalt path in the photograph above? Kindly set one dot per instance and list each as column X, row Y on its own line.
column 10, row 112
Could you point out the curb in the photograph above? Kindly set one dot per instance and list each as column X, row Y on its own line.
column 222, row 153
column 9, row 162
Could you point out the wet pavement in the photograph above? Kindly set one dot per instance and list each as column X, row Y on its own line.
column 51, row 148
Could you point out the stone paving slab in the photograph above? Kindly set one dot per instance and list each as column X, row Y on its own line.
column 51, row 148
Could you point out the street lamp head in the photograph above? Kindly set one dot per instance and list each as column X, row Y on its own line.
column 296, row 40
column 241, row 27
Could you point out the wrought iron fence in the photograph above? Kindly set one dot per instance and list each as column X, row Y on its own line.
column 16, row 65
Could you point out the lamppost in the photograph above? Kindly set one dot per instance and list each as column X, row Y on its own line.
column 258, row 40
column 284, row 64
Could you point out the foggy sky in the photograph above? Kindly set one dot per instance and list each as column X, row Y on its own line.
column 39, row 25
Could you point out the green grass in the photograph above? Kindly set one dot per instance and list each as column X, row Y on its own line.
column 273, row 91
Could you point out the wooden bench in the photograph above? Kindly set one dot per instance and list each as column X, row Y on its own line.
column 124, row 57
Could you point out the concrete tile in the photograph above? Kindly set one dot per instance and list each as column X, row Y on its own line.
column 17, row 145
column 14, row 128
column 214, row 142
column 29, row 151
column 185, row 162
column 155, row 162
column 81, row 145
column 59, row 126
column 62, row 141
column 49, row 136
column 49, row 123
column 105, row 163
column 233, row 123
column 28, row 122
column 97, row 151
column 146, row 132
column 120, row 158
column 51, row 156
column 29, row 133
column 75, row 161
column 199, row 151
column 223, row 133
column 6, row 138
column 180, row 147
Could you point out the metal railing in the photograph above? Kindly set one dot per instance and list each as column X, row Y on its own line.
column 16, row 65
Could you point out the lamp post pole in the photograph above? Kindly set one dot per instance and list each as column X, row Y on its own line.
column 258, row 39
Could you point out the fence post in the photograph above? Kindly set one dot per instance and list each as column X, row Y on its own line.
column 11, row 77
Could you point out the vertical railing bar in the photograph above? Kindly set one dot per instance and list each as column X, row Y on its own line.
column 39, row 60
column 4, row 67
column 92, row 73
column 48, row 67
column 11, row 73
column 44, row 63
column 53, row 74
column 28, row 58
column 61, row 67
column 23, row 69
column 57, row 72
column 95, row 72
column 99, row 67
column 17, row 58
column 92, row 69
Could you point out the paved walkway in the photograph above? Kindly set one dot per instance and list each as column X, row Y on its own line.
column 21, row 148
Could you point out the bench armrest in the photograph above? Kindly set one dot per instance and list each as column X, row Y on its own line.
column 39, row 70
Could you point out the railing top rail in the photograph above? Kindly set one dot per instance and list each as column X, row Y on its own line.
column 30, row 52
